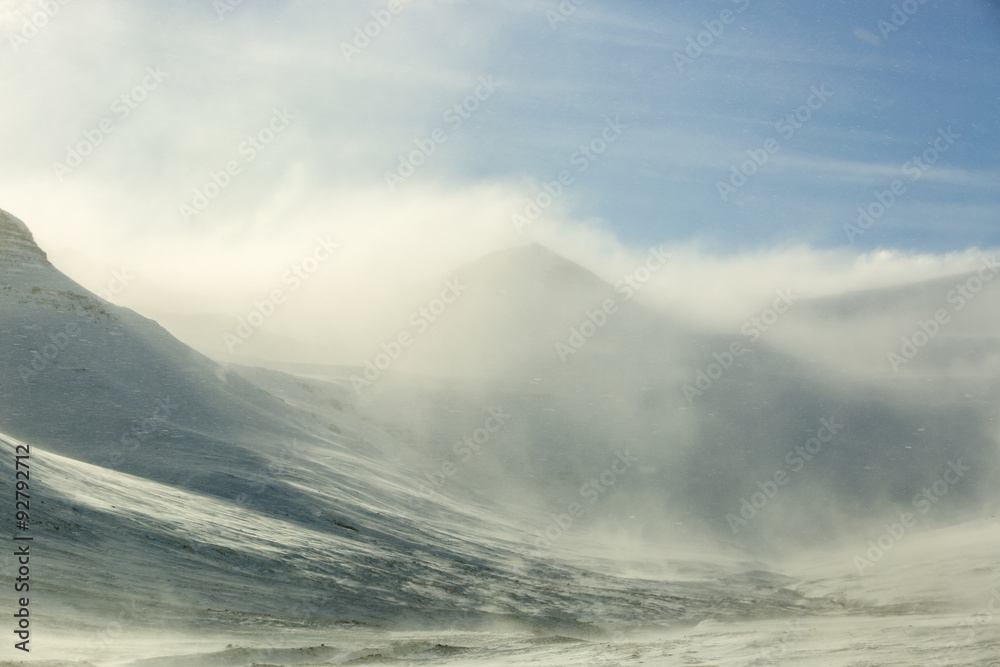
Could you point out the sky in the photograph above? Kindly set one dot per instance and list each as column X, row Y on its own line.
column 201, row 148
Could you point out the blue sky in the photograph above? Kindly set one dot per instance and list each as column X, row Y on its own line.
column 559, row 84
column 687, row 128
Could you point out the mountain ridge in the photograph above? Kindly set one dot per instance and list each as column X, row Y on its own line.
column 17, row 245
column 199, row 481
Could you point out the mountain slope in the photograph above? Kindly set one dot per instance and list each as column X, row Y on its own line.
column 225, row 505
column 706, row 444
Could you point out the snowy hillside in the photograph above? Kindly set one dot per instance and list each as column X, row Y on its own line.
column 223, row 504
column 640, row 381
column 180, row 506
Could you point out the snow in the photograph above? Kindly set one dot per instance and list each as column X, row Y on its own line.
column 187, row 513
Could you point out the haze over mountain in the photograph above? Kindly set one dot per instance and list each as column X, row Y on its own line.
column 225, row 504
column 475, row 481
column 539, row 333
column 584, row 382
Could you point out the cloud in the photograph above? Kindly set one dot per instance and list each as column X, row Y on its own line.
column 353, row 120
column 395, row 250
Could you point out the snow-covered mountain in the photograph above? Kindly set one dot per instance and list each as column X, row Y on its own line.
column 162, row 478
column 710, row 427
column 179, row 505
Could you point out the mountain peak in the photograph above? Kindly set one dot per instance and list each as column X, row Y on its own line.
column 535, row 262
column 17, row 245
column 527, row 252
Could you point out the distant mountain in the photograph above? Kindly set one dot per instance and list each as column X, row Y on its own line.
column 940, row 328
column 527, row 313
column 164, row 482
column 220, row 496
column 712, row 428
